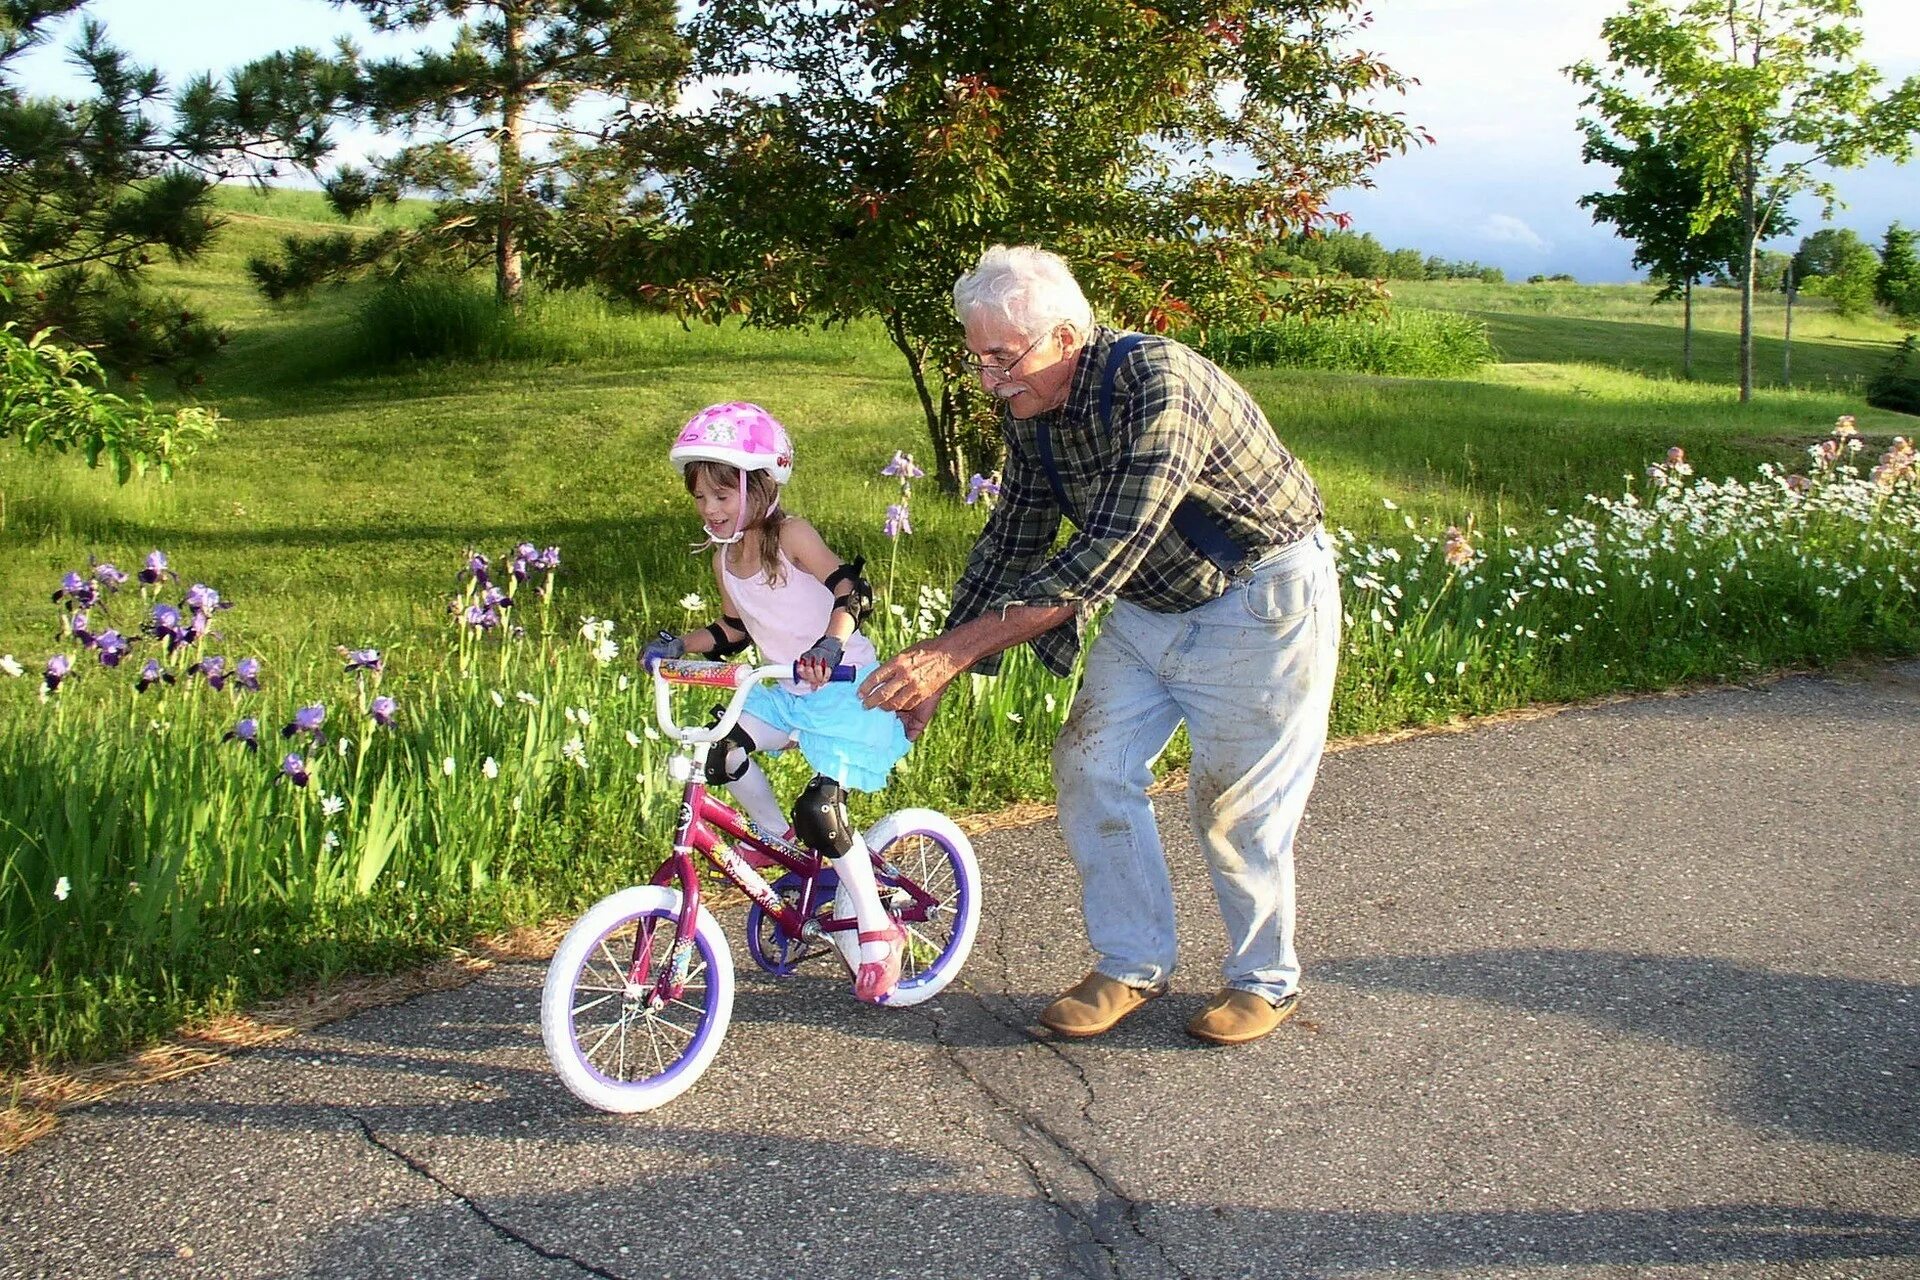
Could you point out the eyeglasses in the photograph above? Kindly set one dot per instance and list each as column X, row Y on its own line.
column 1001, row 368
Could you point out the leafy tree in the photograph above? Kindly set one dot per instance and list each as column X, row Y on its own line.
column 903, row 138
column 92, row 190
column 1823, row 252
column 1898, row 285
column 52, row 397
column 1757, row 94
column 1406, row 264
column 1770, row 268
column 1850, row 277
column 1653, row 203
column 515, row 110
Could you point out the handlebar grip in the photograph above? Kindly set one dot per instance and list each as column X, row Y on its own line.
column 842, row 674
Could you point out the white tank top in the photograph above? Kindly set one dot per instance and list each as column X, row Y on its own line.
column 784, row 621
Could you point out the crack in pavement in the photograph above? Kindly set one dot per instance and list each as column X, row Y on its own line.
column 493, row 1224
column 1098, row 1240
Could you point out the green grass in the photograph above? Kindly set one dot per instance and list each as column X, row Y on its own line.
column 341, row 500
column 1622, row 326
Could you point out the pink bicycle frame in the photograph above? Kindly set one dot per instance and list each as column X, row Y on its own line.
column 710, row 828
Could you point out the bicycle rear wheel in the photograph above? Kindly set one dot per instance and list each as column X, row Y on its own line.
column 927, row 848
column 614, row 1043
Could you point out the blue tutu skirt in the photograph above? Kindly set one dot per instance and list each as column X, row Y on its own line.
column 854, row 745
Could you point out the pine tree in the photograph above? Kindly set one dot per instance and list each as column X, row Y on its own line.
column 1897, row 286
column 94, row 190
column 507, row 124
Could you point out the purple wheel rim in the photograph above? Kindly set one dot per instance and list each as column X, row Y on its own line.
column 709, row 1009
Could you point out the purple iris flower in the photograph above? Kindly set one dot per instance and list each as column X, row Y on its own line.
column 213, row 669
column 112, row 647
column 57, row 668
column 525, row 557
column 382, row 711
column 902, row 466
column 478, row 566
column 548, row 559
column 246, row 733
column 77, row 625
column 482, row 619
column 107, row 574
column 365, row 660
column 495, row 598
column 247, row 674
column 978, row 487
column 152, row 674
column 294, row 770
column 155, row 570
column 202, row 598
column 79, row 591
column 897, row 522
column 307, row 720
column 165, row 625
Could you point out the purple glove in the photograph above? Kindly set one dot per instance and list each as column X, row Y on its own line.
column 666, row 646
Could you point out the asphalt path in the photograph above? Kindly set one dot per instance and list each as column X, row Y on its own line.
column 1629, row 991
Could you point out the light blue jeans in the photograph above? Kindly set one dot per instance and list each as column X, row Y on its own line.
column 1251, row 673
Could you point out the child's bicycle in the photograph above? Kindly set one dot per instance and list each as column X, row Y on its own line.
column 640, row 992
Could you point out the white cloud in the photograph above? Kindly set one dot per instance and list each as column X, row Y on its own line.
column 1504, row 228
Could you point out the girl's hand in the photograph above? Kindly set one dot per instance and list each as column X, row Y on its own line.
column 816, row 665
column 665, row 646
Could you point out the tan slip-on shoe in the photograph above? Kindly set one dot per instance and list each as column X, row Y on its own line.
column 1234, row 1016
column 1094, row 1004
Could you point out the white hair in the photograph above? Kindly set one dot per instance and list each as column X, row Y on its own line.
column 1028, row 287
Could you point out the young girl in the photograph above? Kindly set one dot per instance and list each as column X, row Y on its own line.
column 786, row 593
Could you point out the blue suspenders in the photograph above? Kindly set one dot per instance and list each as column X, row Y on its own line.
column 1191, row 518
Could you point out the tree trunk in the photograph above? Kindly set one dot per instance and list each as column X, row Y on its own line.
column 1749, row 220
column 1686, row 334
column 1786, row 347
column 949, row 461
column 508, row 284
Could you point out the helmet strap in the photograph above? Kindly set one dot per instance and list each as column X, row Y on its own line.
column 741, row 532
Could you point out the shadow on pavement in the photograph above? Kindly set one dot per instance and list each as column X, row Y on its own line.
column 1834, row 1059
column 718, row 1203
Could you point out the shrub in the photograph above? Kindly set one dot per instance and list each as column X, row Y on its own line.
column 1412, row 343
column 1897, row 387
column 433, row 317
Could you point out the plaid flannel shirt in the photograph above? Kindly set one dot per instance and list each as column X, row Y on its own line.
column 1180, row 426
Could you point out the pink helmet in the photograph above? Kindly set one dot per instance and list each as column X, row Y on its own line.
column 739, row 434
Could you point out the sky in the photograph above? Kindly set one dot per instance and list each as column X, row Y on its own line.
column 1499, row 186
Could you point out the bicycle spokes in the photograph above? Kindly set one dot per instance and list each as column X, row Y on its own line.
column 626, row 1023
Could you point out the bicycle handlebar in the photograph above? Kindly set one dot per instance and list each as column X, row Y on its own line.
column 736, row 676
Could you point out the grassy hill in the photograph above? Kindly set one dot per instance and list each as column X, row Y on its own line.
column 341, row 496
column 1621, row 326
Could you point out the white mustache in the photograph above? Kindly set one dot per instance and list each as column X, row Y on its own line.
column 1008, row 390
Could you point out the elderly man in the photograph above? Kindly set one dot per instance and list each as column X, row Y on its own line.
column 1204, row 533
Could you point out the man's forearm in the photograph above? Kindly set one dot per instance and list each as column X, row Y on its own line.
column 996, row 632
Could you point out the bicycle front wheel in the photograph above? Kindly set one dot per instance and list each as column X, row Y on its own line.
column 925, row 846
column 617, row 1044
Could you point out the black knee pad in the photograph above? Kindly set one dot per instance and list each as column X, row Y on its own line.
column 718, row 773
column 820, row 817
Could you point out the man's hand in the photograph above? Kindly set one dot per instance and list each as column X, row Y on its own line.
column 914, row 677
column 915, row 722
